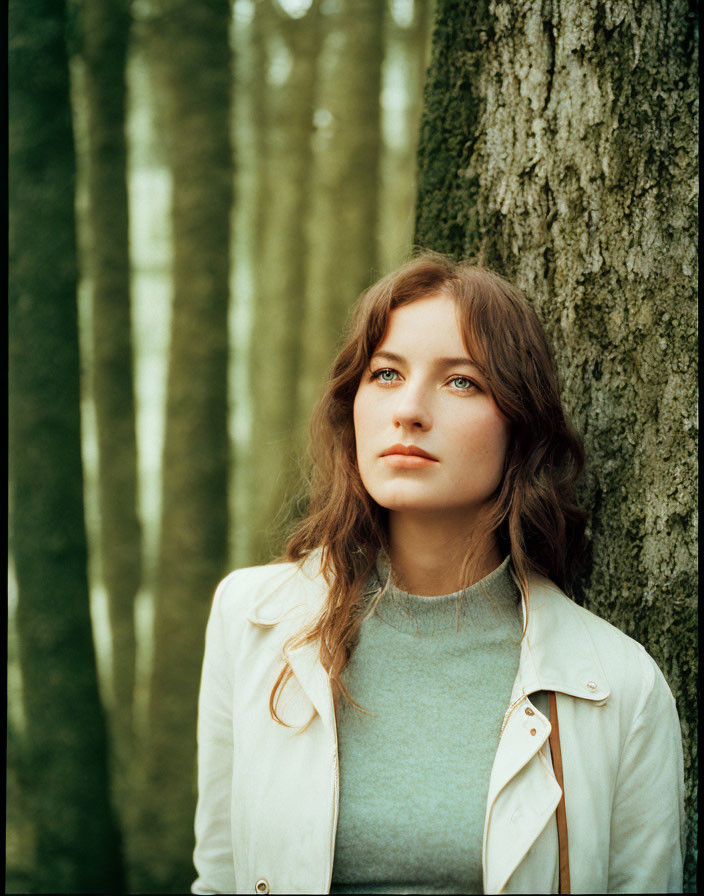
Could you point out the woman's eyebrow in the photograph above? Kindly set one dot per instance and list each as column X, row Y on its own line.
column 453, row 362
column 390, row 356
column 440, row 362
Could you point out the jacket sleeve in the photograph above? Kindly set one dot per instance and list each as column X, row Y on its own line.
column 647, row 821
column 213, row 851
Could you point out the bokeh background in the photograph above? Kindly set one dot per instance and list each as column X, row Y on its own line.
column 198, row 194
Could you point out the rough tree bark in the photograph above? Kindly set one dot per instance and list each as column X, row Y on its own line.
column 559, row 142
column 191, row 43
column 280, row 275
column 77, row 841
column 106, row 27
column 344, row 214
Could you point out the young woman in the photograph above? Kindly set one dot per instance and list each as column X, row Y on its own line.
column 409, row 703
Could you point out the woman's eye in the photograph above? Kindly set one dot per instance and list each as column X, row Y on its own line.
column 462, row 383
column 385, row 375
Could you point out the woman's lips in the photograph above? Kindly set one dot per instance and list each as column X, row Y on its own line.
column 407, row 461
column 407, row 457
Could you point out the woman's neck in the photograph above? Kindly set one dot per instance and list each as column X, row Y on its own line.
column 427, row 553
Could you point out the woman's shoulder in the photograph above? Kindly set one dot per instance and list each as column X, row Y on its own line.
column 575, row 631
column 264, row 594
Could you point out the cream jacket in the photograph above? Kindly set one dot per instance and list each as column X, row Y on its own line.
column 268, row 795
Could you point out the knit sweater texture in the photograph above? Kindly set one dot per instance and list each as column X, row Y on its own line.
column 435, row 676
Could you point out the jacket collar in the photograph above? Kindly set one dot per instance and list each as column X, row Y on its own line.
column 557, row 652
column 297, row 590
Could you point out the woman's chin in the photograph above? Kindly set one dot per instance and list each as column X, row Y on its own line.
column 413, row 504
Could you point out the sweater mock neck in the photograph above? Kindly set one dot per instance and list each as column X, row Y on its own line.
column 491, row 602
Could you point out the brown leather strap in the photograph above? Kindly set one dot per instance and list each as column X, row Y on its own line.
column 563, row 846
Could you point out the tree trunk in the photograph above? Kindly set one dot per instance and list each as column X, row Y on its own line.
column 280, row 275
column 559, row 141
column 77, row 841
column 105, row 29
column 193, row 49
column 405, row 62
column 259, row 92
column 343, row 229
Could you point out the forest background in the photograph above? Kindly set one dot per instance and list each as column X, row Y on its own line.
column 198, row 194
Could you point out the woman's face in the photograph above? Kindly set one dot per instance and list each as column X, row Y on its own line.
column 422, row 393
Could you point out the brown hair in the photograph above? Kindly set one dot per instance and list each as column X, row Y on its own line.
column 532, row 514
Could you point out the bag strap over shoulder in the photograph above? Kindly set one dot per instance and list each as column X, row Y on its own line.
column 563, row 846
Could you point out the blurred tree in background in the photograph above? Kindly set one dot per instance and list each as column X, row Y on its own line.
column 101, row 61
column 557, row 143
column 189, row 45
column 345, row 186
column 405, row 60
column 63, row 751
column 284, row 69
column 560, row 143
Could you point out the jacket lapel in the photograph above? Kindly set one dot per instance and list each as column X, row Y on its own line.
column 313, row 679
column 291, row 609
column 518, row 810
column 556, row 655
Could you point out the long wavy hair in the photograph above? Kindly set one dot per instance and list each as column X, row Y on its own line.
column 532, row 515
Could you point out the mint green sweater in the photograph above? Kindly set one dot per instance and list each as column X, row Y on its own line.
column 437, row 673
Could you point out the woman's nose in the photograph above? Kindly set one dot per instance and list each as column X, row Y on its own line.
column 412, row 410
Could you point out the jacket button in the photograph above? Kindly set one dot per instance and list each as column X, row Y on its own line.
column 262, row 885
column 532, row 731
column 529, row 711
column 592, row 685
